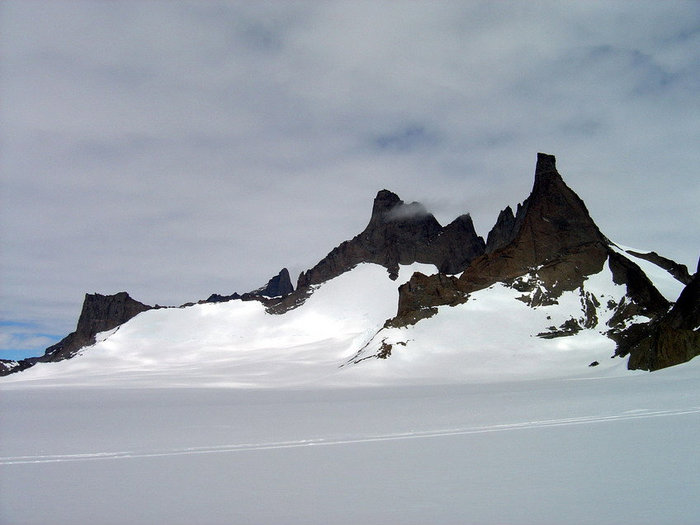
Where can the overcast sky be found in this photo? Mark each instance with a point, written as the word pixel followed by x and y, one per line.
pixel 176 149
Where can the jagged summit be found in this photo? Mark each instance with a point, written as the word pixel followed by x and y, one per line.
pixel 279 285
pixel 549 247
pixel 503 231
pixel 401 233
pixel 552 220
pixel 546 167
pixel 99 314
pixel 384 202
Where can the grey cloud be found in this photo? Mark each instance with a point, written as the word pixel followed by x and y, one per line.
pixel 407 138
pixel 407 211
pixel 178 149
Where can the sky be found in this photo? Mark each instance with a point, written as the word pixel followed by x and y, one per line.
pixel 178 149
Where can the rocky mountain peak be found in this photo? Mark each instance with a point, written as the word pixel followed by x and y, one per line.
pixel 399 233
pixel 390 215
pixel 384 202
pixel 279 285
pixel 553 219
pixel 99 314
pixel 503 231
pixel 546 167
pixel 551 230
pixel 668 339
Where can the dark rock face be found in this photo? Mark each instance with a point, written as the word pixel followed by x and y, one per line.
pixel 10 366
pixel 279 285
pixel 646 299
pixel 99 314
pixel 218 298
pixel 552 231
pixel 457 245
pixel 503 231
pixel 554 219
pixel 400 233
pixel 668 340
pixel 679 271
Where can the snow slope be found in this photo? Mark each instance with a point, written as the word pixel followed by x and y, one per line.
pixel 491 337
pixel 237 344
pixel 669 287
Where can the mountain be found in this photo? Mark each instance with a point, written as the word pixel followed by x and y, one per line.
pixel 410 299
pixel 100 313
pixel 103 313
pixel 400 233
pixel 552 247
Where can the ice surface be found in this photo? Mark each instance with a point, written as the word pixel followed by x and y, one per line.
pixel 599 451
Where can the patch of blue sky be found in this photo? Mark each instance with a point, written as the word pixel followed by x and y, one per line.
pixel 23 339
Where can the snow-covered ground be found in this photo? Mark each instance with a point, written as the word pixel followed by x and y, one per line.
pixel 608 450
pixel 222 413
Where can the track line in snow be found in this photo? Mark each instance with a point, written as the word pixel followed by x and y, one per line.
pixel 277 445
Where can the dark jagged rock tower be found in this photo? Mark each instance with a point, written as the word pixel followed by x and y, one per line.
pixel 400 233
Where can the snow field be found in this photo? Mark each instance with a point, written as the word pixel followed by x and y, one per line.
pixel 237 344
pixel 493 337
pixel 603 451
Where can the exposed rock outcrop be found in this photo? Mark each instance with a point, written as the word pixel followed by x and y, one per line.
pixel 10 366
pixel 218 298
pixel 679 271
pixel 645 298
pixel 279 285
pixel 668 340
pixel 503 231
pixel 400 233
pixel 99 314
pixel 551 232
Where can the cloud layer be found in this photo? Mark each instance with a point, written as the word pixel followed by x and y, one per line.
pixel 175 149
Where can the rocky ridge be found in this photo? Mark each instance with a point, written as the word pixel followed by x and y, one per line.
pixel 549 246
pixel 101 313
pixel 400 233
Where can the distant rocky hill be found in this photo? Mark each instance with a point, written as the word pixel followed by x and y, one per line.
pixel 101 313
pixel 550 246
